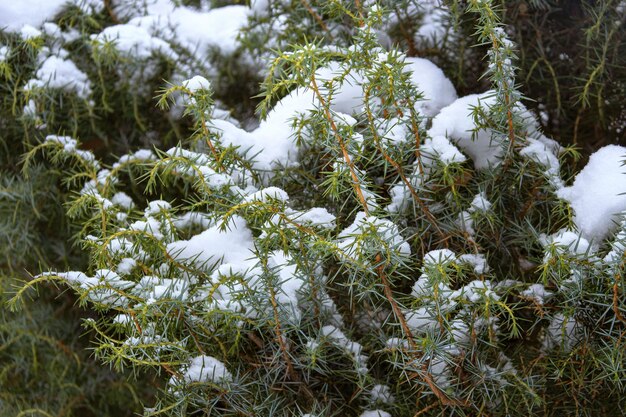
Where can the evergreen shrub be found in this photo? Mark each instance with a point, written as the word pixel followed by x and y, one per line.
pixel 372 245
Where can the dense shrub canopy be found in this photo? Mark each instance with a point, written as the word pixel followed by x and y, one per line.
pixel 316 208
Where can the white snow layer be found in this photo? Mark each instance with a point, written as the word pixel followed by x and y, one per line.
pixel 272 144
pixel 196 30
pixel 133 41
pixel 598 193
pixel 456 123
pixel 375 413
pixel 63 74
pixel 233 245
pixel 15 14
pixel 206 369
pixel 350 239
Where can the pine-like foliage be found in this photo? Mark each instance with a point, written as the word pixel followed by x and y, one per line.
pixel 374 246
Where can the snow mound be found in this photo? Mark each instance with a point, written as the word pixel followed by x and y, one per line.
pixel 598 193
pixel 206 369
pixel 456 123
pixel 15 14
pixel 62 74
pixel 233 245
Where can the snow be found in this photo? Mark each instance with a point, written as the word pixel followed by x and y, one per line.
pixel 122 319
pixel 598 193
pixel 432 29
pixel 394 130
pixel 271 145
pixel 126 266
pixel 104 287
pixel 476 291
pixel 156 206
pixel 70 145
pixel 4 53
pixel 440 370
pixel 268 194
pixel 537 292
pixel 234 245
pixel 289 283
pixel 375 413
pixel 133 41
pixel 423 288
pixel 544 153
pixel 618 246
pixel 15 14
pixel 421 320
pixel 436 88
pixel 52 30
pixel 439 148
pixel 338 337
pixel 466 223
pixel 460 331
pixel 89 6
pixel 29 32
pixel 564 332
pixel 567 240
pixel 192 218
pixel 480 203
pixel 63 74
pixel 381 393
pixel 477 261
pixel 197 166
pixel 140 155
pixel 123 200
pixel 439 257
pixel 317 216
pixel 456 123
pixel 351 243
pixel 30 109
pixel 196 83
pixel 206 369
pixel 197 31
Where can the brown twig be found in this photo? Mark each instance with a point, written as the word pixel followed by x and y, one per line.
pixel 346 156
pixel 315 15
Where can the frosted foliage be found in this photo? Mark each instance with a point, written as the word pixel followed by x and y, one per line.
pixel 271 145
pixel 598 194
pixel 381 393
pixel 422 320
pixel 249 240
pixel 563 332
pixel 352 244
pixel 537 292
